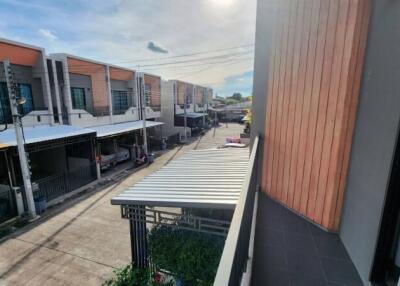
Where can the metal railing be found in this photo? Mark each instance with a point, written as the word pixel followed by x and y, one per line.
pixel 235 255
pixel 55 186
pixel 7 203
pixel 98 111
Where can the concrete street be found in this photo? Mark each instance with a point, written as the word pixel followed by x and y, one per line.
pixel 85 242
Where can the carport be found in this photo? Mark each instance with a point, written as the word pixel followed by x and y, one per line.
pixel 113 138
pixel 201 179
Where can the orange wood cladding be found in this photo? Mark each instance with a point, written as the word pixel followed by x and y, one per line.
pixel 315 71
pixel 155 89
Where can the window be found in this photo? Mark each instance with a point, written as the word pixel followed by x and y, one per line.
pixel 78 98
pixel 120 101
pixel 147 94
pixel 189 95
pixel 5 111
pixel 26 92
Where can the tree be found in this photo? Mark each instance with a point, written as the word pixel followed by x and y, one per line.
pixel 237 96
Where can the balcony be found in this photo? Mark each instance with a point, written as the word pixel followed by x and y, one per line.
pixel 268 244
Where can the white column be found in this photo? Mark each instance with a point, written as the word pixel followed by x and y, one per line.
pixel 20 144
pixel 57 91
pixel 67 89
pixel 110 106
pixel 46 89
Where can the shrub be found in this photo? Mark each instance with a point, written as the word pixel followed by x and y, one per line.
pixel 131 276
pixel 191 256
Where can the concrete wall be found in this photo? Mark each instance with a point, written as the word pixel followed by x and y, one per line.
pixel 262 58
pixel 167 108
pixel 374 138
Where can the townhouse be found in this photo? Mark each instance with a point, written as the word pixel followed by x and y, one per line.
pixel 80 117
pixel 184 102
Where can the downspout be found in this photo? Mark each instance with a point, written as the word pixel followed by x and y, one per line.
pixel 57 90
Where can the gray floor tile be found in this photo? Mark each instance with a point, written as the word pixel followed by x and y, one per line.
pixel 303 244
pixel 329 245
pixel 341 271
pixel 299 263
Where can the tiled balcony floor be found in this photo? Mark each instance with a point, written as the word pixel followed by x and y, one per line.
pixel 289 250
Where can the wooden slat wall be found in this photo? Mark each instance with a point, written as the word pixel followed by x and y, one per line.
pixel 313 86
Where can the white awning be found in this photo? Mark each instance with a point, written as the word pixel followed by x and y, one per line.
pixel 202 178
pixel 120 128
pixel 41 134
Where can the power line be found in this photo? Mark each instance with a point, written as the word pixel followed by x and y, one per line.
pixel 191 54
pixel 197 60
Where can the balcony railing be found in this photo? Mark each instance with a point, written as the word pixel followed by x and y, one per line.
pixel 235 256
pixel 98 111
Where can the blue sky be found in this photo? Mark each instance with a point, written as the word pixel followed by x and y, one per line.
pixel 124 32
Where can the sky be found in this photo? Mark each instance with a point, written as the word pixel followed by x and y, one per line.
pixel 206 42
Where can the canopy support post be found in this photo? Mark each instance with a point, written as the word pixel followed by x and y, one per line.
pixel 138 235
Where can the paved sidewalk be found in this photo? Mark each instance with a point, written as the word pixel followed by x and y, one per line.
pixel 83 244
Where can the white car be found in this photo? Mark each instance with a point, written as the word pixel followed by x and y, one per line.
pixel 122 154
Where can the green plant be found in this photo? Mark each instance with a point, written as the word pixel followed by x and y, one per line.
pixel 129 276
pixel 190 255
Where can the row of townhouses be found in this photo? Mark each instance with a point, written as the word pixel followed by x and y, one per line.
pixel 82 118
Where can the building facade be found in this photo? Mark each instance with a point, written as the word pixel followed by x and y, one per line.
pixel 85 114
pixel 328 116
pixel 181 99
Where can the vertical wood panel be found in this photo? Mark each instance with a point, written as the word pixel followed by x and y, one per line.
pixel 311 53
pixel 347 72
pixel 288 98
pixel 314 79
pixel 353 110
pixel 267 164
pixel 304 14
pixel 307 194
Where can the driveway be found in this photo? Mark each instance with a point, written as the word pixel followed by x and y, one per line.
pixel 87 240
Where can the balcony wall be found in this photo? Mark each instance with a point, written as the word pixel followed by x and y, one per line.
pixel 155 94
pixel 315 65
pixel 97 75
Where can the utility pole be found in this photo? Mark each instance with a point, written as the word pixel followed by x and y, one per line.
pixel 26 175
pixel 184 112
pixel 141 89
pixel 204 108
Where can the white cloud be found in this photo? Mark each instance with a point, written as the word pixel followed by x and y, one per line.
pixel 48 34
pixel 118 32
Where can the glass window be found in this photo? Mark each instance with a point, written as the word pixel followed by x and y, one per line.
pixel 5 111
pixel 26 91
pixel 120 101
pixel 189 95
pixel 78 98
pixel 147 94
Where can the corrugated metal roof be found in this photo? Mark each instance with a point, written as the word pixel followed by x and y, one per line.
pixel 201 178
pixel 42 133
pixel 113 129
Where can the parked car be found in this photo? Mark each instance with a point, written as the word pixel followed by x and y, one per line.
pixel 122 154
pixel 106 161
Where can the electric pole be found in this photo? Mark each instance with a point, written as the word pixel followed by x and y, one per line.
pixel 184 112
pixel 142 95
pixel 23 158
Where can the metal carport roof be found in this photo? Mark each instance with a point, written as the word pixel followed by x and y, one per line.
pixel 42 133
pixel 210 178
pixel 120 128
